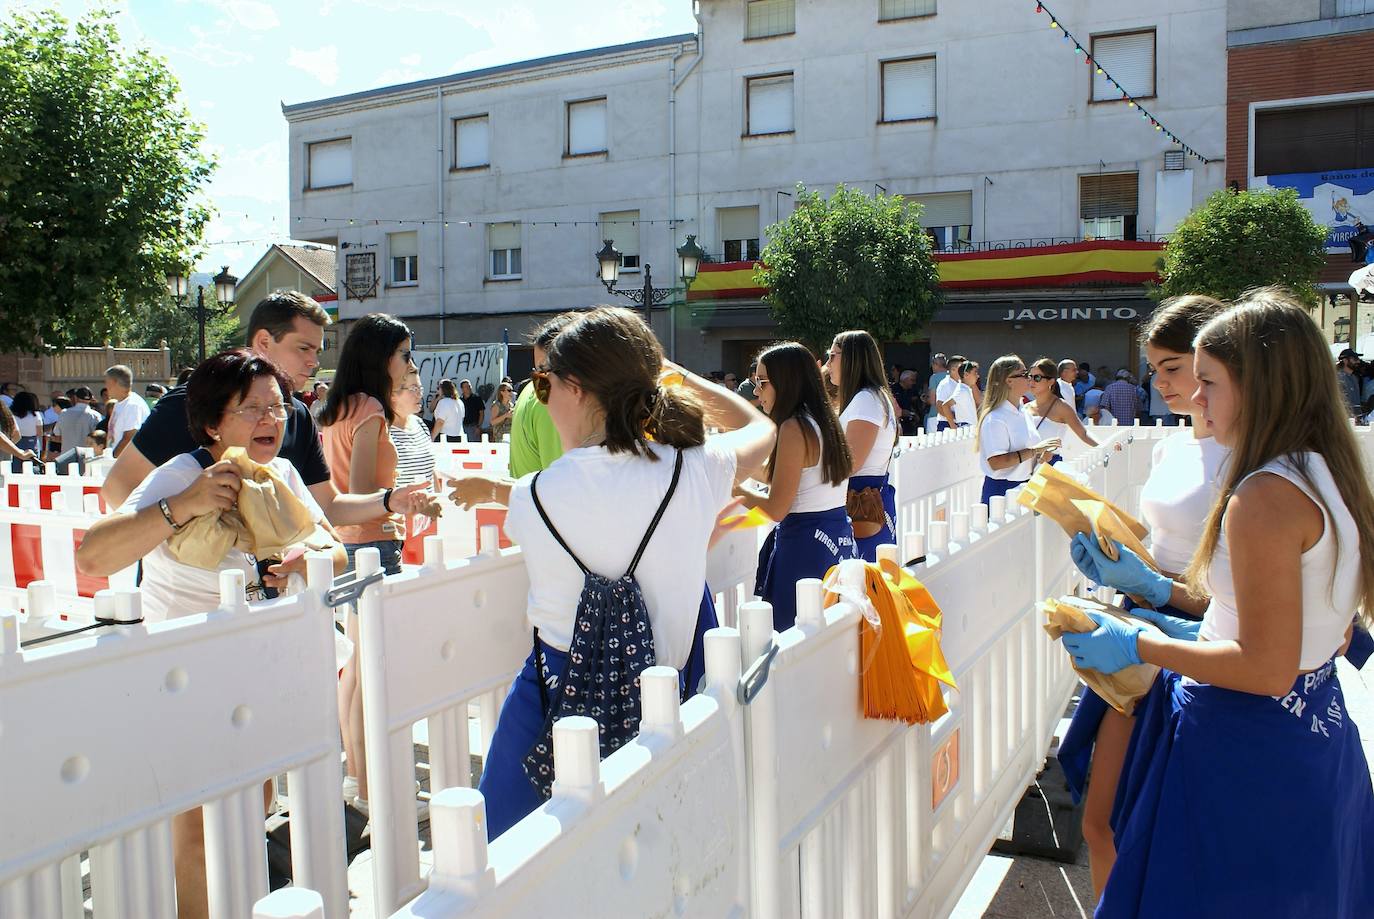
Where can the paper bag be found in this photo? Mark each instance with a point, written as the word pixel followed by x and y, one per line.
pixel 1079 509
pixel 1121 690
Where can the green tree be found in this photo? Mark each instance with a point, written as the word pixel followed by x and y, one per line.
pixel 850 261
pixel 1239 240
pixel 100 172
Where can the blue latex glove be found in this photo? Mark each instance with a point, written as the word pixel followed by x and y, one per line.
pixel 1173 626
pixel 1127 574
pixel 1108 648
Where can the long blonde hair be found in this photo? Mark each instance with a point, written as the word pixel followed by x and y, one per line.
pixel 995 393
pixel 1289 405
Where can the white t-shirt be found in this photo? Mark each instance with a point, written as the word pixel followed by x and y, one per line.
pixel 945 391
pixel 1105 419
pixel 602 504
pixel 128 415
pixel 1005 430
pixel 171 589
pixel 965 409
pixel 869 406
pixel 28 425
pixel 1178 495
pixel 1066 392
pixel 814 492
pixel 450 412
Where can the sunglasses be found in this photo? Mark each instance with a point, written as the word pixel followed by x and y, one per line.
pixel 1037 378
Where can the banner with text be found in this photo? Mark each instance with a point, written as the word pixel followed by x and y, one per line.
pixel 481 365
pixel 1338 200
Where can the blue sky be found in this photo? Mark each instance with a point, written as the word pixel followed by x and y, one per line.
pixel 238 60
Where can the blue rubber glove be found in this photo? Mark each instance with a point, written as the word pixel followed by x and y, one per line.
pixel 1127 574
pixel 1083 559
pixel 1108 648
pixel 1173 626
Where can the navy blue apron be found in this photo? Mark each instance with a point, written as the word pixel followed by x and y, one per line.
pixel 1234 804
pixel 993 487
pixel 868 545
pixel 802 545
pixel 203 457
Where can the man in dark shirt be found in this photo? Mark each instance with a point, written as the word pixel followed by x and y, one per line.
pixel 473 407
pixel 287 328
pixel 909 403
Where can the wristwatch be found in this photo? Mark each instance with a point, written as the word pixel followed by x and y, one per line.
pixel 166 509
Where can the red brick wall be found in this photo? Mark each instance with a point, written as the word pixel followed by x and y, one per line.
pixel 1290 70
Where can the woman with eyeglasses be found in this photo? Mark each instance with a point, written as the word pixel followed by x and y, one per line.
pixel 1047 411
pixel 410 437
pixel 1008 447
pixel 501 411
pixel 639 478
pixel 808 478
pixel 373 365
pixel 234 399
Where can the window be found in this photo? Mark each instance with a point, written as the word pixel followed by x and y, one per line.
pixel 739 231
pixel 908 90
pixel 763 18
pixel 768 104
pixel 904 9
pixel 471 142
pixel 947 218
pixel 1130 58
pixel 404 249
pixel 503 239
pixel 329 163
pixel 622 228
pixel 1316 139
pixel 1107 205
pixel 587 127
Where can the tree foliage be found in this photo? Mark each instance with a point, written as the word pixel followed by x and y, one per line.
pixel 1240 240
pixel 850 261
pixel 162 320
pixel 100 172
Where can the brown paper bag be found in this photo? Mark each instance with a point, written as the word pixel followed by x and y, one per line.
pixel 1078 509
pixel 1121 690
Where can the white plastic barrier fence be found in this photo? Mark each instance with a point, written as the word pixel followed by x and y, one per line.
pixel 934 476
pixel 194 712
pixel 730 569
pixel 47 490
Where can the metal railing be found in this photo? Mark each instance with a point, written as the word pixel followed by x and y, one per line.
pixel 996 245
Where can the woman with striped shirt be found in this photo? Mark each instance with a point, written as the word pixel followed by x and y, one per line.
pixel 410 437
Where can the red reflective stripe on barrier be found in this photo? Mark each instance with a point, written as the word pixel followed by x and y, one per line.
pixel 26 548
pixel 95 490
pixel 488 516
pixel 413 549
pixel 45 493
pixel 13 499
pixel 86 585
pixel 471 465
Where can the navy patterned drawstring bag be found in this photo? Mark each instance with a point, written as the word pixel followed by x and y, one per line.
pixel 612 644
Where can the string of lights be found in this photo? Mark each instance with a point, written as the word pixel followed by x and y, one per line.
pixel 1130 100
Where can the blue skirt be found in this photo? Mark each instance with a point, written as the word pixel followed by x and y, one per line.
pixel 868 545
pixel 995 487
pixel 1243 805
pixel 509 794
pixel 1076 749
pixel 802 545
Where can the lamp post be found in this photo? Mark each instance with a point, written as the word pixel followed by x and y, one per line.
pixel 608 261
pixel 177 284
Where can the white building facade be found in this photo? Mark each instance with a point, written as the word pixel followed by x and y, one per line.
pixel 473 204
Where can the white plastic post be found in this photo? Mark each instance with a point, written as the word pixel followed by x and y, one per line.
pixel 979 517
pixel 90 504
pixel 42 596
pixel 103 604
pixel 231 598
pixel 9 635
pixel 761 728
pixel 490 540
pixel 319 571
pixel 958 526
pixel 997 508
pixel 434 551
pixel 660 705
pixel 889 552
pixel 809 597
pixel 129 605
pixel 722 650
pixel 577 759
pixel 458 824
pixel 939 536
pixel 290 903
pixel 58 499
pixel 915 545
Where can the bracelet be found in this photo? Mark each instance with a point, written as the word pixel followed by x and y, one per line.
pixel 1018 457
pixel 386 500
pixel 166 509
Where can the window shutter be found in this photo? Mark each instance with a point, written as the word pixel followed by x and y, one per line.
pixel 738 222
pixel 770 17
pixel 945 209
pixel 474 142
pixel 1130 59
pixel 1316 139
pixel 770 105
pixel 622 227
pixel 587 126
pixel 504 236
pixel 404 244
pixel 331 163
pixel 902 9
pixel 1111 195
pixel 909 89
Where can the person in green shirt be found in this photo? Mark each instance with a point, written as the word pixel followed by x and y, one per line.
pixel 534 441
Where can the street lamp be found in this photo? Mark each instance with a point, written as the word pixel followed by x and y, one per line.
pixel 608 265
pixel 177 285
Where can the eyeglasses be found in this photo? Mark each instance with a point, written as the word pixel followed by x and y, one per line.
pixel 1018 376
pixel 539 379
pixel 256 413
pixel 413 388
pixel 1037 378
pixel 760 381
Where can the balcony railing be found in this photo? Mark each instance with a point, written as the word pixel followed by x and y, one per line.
pixel 83 365
pixel 1027 242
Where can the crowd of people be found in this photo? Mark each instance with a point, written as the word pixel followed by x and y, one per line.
pixel 1239 787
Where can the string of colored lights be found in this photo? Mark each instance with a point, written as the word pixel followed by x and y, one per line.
pixel 1126 97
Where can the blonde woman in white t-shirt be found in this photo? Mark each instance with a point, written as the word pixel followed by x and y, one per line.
pixel 868 416
pixel 1008 447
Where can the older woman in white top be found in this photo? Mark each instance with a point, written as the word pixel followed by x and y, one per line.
pixel 1251 793
pixel 1008 447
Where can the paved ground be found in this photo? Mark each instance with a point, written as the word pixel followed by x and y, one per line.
pixel 1034 888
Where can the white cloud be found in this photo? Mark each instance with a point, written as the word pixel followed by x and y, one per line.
pixel 251 14
pixel 410 60
pixel 207 50
pixel 322 64
pixel 257 174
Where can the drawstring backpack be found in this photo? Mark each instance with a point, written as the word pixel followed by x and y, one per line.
pixel 612 643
